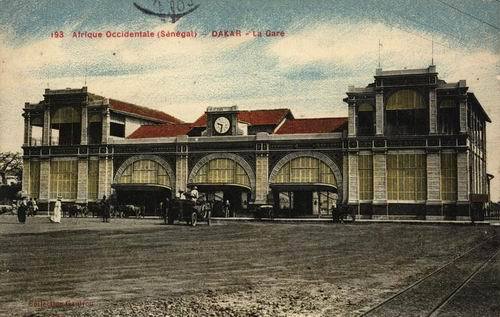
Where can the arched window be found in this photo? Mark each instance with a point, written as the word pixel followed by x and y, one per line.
pixel 306 170
pixel 406 113
pixel 145 172
pixel 222 171
pixel 365 119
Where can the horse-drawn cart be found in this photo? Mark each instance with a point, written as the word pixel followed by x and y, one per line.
pixel 189 211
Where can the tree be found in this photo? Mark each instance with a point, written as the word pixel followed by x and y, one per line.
pixel 10 163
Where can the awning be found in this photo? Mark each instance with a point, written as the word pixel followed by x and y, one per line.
pixel 219 187
pixel 296 187
pixel 140 187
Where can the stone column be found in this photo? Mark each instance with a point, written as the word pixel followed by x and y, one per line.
pixel 44 180
pixel 261 177
pixel 352 123
pixel 46 132
pixel 105 176
pixel 353 178
pixel 27 129
pixel 83 170
pixel 181 167
pixel 345 180
pixel 379 113
pixel 84 126
pixel 433 126
pixel 433 178
pixel 379 178
pixel 463 188
pixel 463 115
pixel 26 177
pixel 106 121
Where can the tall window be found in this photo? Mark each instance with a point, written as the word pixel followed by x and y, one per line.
pixel 365 171
pixel 93 179
pixel 448 116
pixel 63 179
pixel 34 189
pixel 145 172
pixel 66 125
pixel 306 170
pixel 406 177
pixel 222 171
pixel 406 113
pixel 449 176
pixel 365 119
pixel 94 128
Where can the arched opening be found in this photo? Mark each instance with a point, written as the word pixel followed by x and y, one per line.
pixel 144 183
pixel 304 186
pixel 406 113
pixel 223 181
pixel 65 124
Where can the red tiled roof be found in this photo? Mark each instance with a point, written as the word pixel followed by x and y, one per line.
pixel 312 125
pixel 254 117
pixel 142 111
pixel 160 131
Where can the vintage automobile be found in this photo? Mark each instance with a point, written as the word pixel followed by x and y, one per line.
pixel 189 211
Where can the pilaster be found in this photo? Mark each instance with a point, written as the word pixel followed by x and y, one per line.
pixel 181 168
pixel 353 178
pixel 84 126
pixel 379 178
pixel 105 176
pixel 81 196
pixel 46 132
pixel 463 188
pixel 106 121
pixel 352 123
pixel 262 173
pixel 432 111
pixel 433 178
pixel 27 129
pixel 379 113
pixel 44 180
pixel 26 177
pixel 463 115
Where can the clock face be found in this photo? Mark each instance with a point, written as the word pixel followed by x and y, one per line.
pixel 222 125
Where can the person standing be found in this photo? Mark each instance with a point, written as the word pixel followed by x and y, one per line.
pixel 194 194
pixel 22 209
pixel 105 209
pixel 35 207
pixel 56 217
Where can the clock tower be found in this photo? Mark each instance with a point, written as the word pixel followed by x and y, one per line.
pixel 222 121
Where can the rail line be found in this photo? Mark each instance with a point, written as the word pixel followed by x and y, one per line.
pixel 436 308
pixel 445 301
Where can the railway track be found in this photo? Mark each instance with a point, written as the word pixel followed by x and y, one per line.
pixel 429 295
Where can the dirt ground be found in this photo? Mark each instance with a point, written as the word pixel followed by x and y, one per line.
pixel 83 267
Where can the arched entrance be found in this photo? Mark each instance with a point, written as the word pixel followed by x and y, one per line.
pixel 145 181
pixel 305 184
pixel 224 178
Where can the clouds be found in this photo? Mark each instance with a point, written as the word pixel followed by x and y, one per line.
pixel 328 46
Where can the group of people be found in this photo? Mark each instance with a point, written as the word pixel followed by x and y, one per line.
pixel 26 208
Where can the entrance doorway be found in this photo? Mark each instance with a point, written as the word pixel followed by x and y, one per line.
pixel 220 194
pixel 303 200
pixel 148 197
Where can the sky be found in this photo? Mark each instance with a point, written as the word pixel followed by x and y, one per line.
pixel 328 45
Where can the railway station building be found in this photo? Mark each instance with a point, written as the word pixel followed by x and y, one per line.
pixel 413 146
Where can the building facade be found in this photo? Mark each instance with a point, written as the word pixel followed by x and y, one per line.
pixel 412 146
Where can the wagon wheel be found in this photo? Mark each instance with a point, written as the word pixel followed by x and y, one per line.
pixel 194 219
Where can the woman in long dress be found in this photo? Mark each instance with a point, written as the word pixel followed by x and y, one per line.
pixel 56 217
